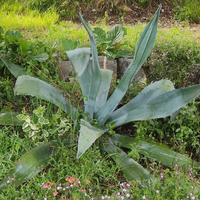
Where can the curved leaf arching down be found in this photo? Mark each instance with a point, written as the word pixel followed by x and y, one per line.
pixel 88 134
pixel 94 68
pixel 142 52
pixel 14 69
pixel 146 95
pixel 29 165
pixel 9 118
pixel 27 85
pixel 162 106
pixel 156 151
pixel 130 168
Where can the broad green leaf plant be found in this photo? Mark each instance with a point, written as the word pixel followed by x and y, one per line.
pixel 109 43
pixel 158 100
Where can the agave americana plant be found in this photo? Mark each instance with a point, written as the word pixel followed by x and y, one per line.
pixel 158 100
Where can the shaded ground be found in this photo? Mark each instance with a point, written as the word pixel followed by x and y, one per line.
pixel 134 13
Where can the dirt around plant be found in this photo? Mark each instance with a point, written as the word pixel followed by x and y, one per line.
pixel 133 14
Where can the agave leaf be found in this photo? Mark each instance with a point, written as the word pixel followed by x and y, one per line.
pixel 87 136
pixel 94 68
pixel 116 34
pixel 130 168
pixel 9 118
pixel 104 88
pixel 30 164
pixel 146 95
pixel 27 85
pixel 80 60
pixel 14 69
pixel 143 49
pixel 155 151
pixel 162 106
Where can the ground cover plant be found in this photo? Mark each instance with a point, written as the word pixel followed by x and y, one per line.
pixel 100 114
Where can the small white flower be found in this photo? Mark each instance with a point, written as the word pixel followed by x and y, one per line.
pixel 144 197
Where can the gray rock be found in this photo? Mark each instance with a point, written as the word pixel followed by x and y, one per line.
pixel 118 67
pixel 106 63
pixel 65 70
pixel 122 65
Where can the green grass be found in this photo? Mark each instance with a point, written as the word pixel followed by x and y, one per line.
pixel 188 10
pixel 45 27
pixel 98 175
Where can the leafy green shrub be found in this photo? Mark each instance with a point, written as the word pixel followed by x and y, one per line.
pixel 173 61
pixel 143 3
pixel 182 132
pixel 188 10
pixel 35 57
pixel 158 100
pixel 109 43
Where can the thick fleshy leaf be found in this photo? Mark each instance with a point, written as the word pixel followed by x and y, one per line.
pixel 146 95
pixel 162 106
pixel 143 50
pixel 27 85
pixel 156 151
pixel 94 68
pixel 14 69
pixel 130 168
pixel 88 134
pixel 30 164
pixel 106 78
pixel 80 60
pixel 9 118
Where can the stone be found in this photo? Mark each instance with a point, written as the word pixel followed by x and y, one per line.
pixel 65 70
pixel 118 66
pixel 106 63
pixel 122 65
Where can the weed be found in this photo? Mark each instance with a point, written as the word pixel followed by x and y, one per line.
pixel 188 10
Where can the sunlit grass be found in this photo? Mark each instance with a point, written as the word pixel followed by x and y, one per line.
pixel 46 27
pixel 32 21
